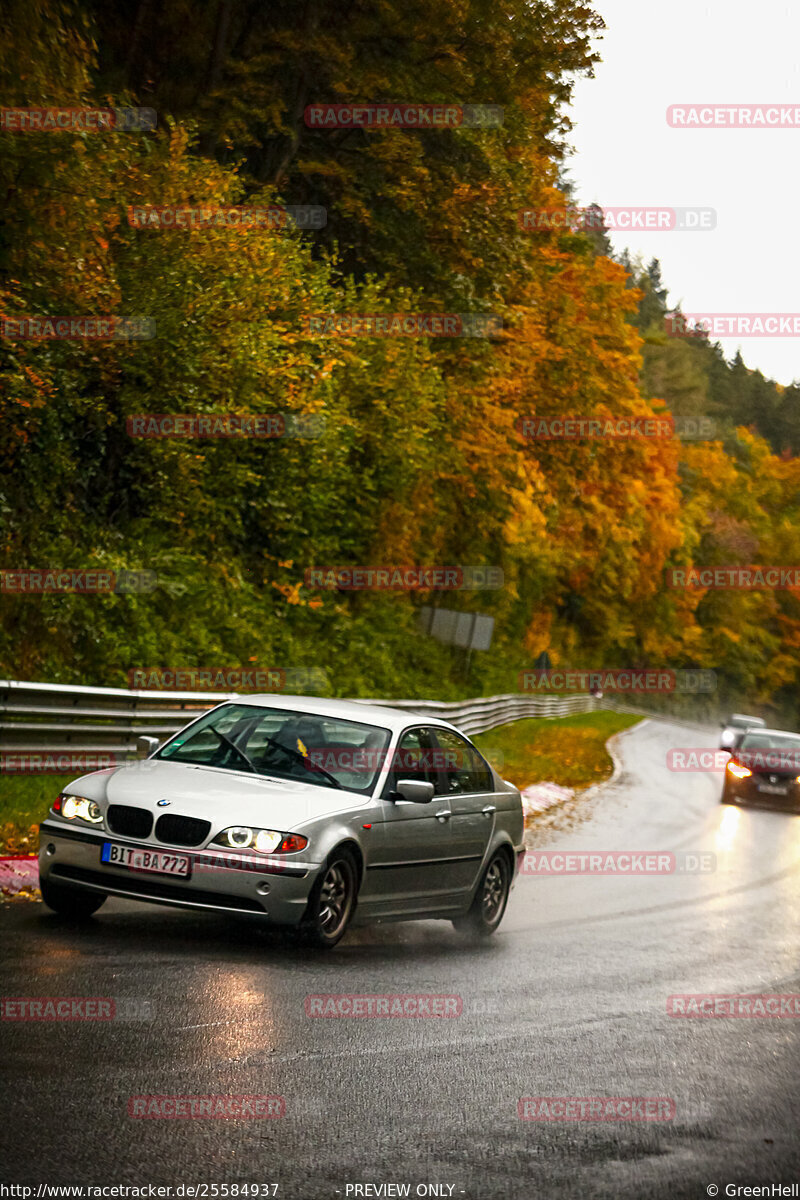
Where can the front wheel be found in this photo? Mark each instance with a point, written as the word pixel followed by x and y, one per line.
pixel 70 901
pixel 332 902
pixel 490 901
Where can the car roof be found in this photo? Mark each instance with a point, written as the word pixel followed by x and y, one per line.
pixel 759 732
pixel 366 711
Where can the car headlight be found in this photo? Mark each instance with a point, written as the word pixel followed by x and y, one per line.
pixel 737 770
pixel 77 808
pixel 266 841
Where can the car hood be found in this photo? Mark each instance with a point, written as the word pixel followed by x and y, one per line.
pixel 219 796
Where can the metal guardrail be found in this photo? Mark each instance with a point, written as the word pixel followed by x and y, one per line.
pixel 485 713
pixel 58 718
pixel 65 718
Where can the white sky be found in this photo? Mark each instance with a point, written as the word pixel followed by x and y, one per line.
pixel 687 51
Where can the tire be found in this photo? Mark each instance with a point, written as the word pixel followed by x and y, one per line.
pixel 71 901
pixel 491 898
pixel 332 902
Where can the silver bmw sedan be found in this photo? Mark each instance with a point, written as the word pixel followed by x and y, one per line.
pixel 297 811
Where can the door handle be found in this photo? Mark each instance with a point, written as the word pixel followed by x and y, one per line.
pixel 489 809
pixel 444 816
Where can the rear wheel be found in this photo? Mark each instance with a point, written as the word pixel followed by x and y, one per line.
pixel 490 901
pixel 70 901
pixel 332 901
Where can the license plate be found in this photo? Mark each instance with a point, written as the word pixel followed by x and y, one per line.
pixel 136 859
pixel 773 789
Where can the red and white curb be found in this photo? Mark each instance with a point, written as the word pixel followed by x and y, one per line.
pixel 540 796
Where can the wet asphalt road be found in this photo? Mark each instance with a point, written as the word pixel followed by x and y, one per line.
pixel 569 999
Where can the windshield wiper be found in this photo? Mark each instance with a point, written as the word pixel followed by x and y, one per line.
pixel 308 763
pixel 223 737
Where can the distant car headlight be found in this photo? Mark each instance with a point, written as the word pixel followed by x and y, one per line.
pixel 737 770
pixel 78 808
pixel 266 841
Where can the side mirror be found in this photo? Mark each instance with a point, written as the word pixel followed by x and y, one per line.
pixel 145 746
pixel 418 791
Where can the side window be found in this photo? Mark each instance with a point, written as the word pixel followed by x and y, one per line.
pixel 459 765
pixel 411 759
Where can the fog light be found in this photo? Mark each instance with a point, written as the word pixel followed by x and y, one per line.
pixel 50 848
pixel 263 889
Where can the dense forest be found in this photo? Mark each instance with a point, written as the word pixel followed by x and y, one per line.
pixel 413 452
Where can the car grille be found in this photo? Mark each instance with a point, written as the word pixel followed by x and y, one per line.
pixel 182 831
pixel 155 890
pixel 130 822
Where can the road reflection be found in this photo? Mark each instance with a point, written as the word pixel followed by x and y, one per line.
pixel 729 826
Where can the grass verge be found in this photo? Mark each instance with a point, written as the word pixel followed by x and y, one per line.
pixel 570 751
pixel 24 802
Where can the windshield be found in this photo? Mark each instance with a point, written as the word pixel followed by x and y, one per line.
pixel 327 751
pixel 769 741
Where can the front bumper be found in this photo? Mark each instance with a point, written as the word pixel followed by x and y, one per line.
pixel 221 881
pixel 748 791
